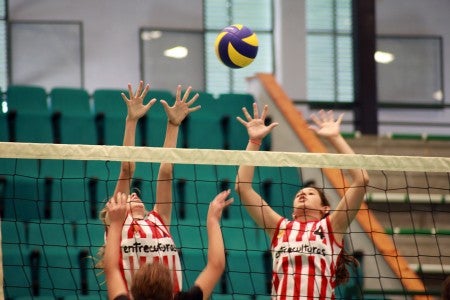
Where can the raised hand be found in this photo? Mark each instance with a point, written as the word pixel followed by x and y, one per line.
pixel 256 128
pixel 135 103
pixel 325 123
pixel 181 108
pixel 117 207
pixel 219 203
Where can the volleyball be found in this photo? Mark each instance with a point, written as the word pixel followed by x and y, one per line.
pixel 236 46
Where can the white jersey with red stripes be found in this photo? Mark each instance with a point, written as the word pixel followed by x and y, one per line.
pixel 147 241
pixel 304 256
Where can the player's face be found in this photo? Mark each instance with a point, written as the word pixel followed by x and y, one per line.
pixel 137 208
pixel 307 198
pixel 308 203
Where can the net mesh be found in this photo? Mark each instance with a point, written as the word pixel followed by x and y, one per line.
pixel 50 197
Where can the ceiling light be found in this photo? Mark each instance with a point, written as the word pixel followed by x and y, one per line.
pixel 178 52
pixel 384 57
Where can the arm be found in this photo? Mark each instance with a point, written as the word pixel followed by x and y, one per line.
pixel 117 210
pixel 346 210
pixel 175 115
pixel 215 266
pixel 135 110
pixel 258 209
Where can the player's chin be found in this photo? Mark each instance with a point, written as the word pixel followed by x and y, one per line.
pixel 138 211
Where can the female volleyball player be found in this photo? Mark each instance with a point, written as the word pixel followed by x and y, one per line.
pixel 307 252
pixel 145 235
pixel 154 280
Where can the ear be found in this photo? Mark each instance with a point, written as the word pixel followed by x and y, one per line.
pixel 325 210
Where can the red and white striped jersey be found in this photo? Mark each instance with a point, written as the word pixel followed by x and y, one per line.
pixel 147 241
pixel 304 256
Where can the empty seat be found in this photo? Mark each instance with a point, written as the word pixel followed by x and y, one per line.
pixel 17 274
pixel 244 236
pixel 72 116
pixel 70 200
pixel 248 271
pixel 193 261
pixel 231 106
pixel 157 109
pixel 205 133
pixel 24 198
pixel 152 128
pixel 110 113
pixel 59 271
pixel 28 114
pixel 110 102
pixel 59 169
pixel 4 128
pixel 232 103
pixel 27 99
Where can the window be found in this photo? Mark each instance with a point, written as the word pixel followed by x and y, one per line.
pixel 329 51
pixel 257 16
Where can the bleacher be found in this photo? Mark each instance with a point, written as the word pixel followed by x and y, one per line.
pixel 49 208
pixel 415 208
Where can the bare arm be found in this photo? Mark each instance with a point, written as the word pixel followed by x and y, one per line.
pixel 256 206
pixel 175 115
pixel 135 110
pixel 215 266
pixel 117 210
pixel 346 210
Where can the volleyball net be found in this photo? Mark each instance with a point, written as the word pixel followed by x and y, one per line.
pixel 51 195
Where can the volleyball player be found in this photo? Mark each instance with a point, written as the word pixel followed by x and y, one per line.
pixel 307 251
pixel 146 235
pixel 154 280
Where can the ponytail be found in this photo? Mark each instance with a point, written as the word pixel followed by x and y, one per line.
pixel 344 261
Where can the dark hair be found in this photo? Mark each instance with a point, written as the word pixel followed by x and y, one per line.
pixel 344 259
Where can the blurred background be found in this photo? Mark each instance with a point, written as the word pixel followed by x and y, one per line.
pixel 382 61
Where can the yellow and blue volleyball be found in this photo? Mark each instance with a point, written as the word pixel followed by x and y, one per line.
pixel 236 46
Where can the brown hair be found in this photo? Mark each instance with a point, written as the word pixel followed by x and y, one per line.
pixel 152 281
pixel 344 259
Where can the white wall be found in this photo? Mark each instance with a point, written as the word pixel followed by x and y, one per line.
pixel 111 30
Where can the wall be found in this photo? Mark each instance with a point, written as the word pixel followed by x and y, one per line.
pixel 111 30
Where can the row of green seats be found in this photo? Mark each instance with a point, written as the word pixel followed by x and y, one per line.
pixel 72 116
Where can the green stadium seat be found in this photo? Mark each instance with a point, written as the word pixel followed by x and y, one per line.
pixel 30 127
pixel 17 275
pixel 240 235
pixel 247 272
pixel 110 113
pixel 59 169
pixel 27 99
pixel 193 261
pixel 59 271
pixel 28 114
pixel 152 128
pixel 158 109
pixel 232 103
pixel 24 198
pixel 72 116
pixel 4 128
pixel 70 200
pixel 110 102
pixel 70 101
